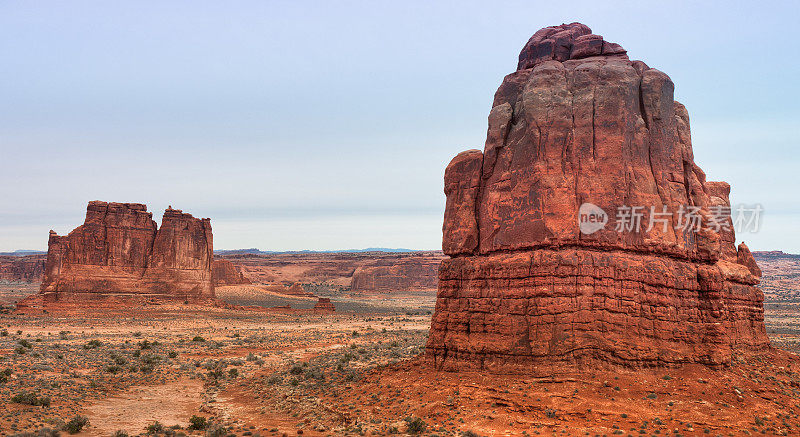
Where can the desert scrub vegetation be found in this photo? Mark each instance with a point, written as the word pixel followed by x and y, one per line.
pixel 217 370
pixel 93 344
pixel 415 425
pixel 296 387
pixel 215 430
pixel 158 429
pixel 76 424
pixel 349 363
pixel 30 398
pixel 198 423
pixel 42 432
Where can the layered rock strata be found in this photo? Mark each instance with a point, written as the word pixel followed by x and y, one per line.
pixel 534 282
pixel 119 251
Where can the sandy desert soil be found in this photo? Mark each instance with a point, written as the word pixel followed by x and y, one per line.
pixel 129 369
pixel 348 374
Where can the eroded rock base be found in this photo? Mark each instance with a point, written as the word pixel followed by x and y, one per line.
pixel 542 311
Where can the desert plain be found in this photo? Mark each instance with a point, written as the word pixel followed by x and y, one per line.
pixel 174 368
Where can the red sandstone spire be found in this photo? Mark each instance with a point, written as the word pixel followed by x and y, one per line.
pixel 579 123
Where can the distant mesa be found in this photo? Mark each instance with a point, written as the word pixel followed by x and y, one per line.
pixel 254 251
pixel 119 252
pixel 23 253
pixel 524 290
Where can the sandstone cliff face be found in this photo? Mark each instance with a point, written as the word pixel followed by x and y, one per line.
pixel 226 273
pixel 579 122
pixel 120 251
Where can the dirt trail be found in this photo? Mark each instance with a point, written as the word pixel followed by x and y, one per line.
pixel 134 409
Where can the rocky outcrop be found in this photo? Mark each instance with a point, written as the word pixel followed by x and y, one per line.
pixel 29 268
pixel 366 273
pixel 400 274
pixel 120 251
pixel 226 273
pixel 324 305
pixel 546 268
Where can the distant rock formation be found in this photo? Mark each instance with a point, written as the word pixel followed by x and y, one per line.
pixel 28 268
pixel 324 304
pixel 393 274
pixel 226 273
pixel 365 273
pixel 545 273
pixel 119 251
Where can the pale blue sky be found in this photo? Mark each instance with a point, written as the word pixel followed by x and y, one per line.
pixel 326 125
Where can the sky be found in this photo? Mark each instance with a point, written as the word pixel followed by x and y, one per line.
pixel 328 125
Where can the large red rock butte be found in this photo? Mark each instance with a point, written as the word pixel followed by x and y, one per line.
pixel 524 290
pixel 120 252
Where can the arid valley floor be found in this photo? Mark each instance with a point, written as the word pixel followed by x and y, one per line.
pixel 356 372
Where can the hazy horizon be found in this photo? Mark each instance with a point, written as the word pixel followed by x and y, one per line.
pixel 327 127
